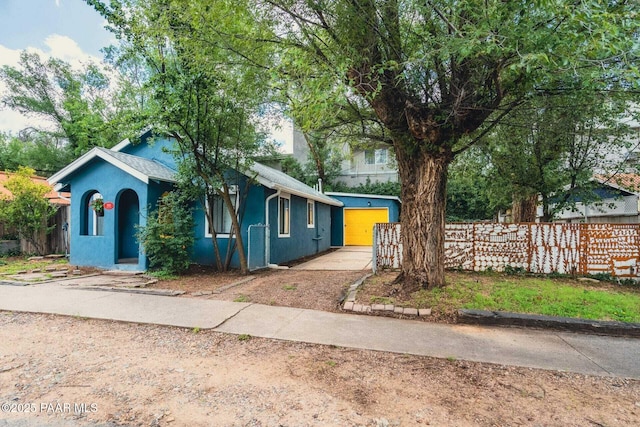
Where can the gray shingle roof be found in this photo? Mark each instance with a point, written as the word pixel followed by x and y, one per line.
pixel 278 180
pixel 139 167
pixel 147 169
pixel 150 168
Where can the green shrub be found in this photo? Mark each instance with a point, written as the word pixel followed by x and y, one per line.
pixel 168 237
pixel 514 271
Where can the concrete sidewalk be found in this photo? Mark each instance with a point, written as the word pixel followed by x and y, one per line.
pixel 352 258
pixel 580 353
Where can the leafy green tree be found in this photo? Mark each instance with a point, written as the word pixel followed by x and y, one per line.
pixel 75 102
pixel 550 147
pixel 438 75
pixel 469 196
pixel 202 92
pixel 324 162
pixel 27 210
pixel 294 169
pixel 42 153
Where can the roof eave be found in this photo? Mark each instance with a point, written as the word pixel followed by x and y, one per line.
pixel 161 179
pixel 275 186
pixel 122 144
pixel 613 184
pixel 362 195
pixel 326 200
pixel 59 176
pixel 96 152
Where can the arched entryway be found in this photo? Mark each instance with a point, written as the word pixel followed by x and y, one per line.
pixel 128 217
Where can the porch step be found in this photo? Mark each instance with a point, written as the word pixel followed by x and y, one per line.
pixel 122 273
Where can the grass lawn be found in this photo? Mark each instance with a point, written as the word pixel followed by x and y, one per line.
pixel 521 294
pixel 14 265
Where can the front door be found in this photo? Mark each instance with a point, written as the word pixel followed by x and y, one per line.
pixel 128 209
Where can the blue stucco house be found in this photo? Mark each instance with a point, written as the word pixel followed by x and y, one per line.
pixel 112 190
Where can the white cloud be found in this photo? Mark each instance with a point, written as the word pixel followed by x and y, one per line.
pixel 65 48
pixel 8 56
pixel 12 121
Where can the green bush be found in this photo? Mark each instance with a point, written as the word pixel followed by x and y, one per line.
pixel 514 271
pixel 168 237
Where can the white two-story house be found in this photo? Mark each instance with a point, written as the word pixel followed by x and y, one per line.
pixel 373 164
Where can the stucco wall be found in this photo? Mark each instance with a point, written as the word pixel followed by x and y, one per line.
pixel 253 214
pixel 302 241
pixel 103 250
pixel 156 148
pixel 109 181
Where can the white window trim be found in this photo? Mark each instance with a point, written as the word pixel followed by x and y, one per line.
pixel 377 152
pixel 287 197
pixel 94 232
pixel 311 204
pixel 233 192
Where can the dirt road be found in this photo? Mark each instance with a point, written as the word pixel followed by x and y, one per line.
pixel 104 372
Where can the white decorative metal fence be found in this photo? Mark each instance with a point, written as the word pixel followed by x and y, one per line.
pixel 537 248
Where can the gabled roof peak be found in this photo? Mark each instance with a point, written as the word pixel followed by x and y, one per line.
pixel 139 167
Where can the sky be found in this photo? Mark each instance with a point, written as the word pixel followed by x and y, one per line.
pixel 66 29
pixel 69 30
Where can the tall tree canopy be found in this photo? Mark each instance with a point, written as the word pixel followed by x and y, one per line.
pixel 75 103
pixel 202 90
pixel 439 74
pixel 44 154
pixel 430 78
pixel 552 146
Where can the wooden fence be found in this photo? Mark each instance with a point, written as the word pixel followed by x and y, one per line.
pixel 56 242
pixel 534 247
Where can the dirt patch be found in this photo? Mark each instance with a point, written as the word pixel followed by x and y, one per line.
pixel 382 289
pixel 167 376
pixel 317 290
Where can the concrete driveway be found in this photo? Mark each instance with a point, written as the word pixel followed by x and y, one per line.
pixel 354 258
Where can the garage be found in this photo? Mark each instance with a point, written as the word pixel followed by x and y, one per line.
pixel 352 224
pixel 358 225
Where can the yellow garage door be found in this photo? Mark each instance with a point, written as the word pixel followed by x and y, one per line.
pixel 358 225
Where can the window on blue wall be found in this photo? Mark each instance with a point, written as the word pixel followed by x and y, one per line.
pixel 284 216
pixel 220 215
pixel 311 214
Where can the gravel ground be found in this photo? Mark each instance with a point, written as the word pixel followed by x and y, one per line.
pixel 316 290
pixel 70 372
pixel 140 375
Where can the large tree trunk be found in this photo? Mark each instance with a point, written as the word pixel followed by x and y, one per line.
pixel 524 208
pixel 424 187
